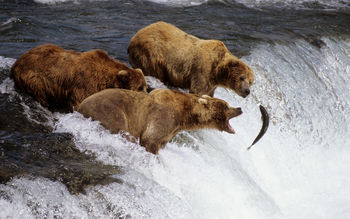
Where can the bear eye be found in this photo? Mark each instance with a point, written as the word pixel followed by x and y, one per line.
pixel 140 88
pixel 223 106
pixel 241 78
pixel 233 64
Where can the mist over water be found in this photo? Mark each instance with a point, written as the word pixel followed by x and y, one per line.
pixel 299 169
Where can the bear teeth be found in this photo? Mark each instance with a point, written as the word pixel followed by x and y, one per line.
pixel 230 129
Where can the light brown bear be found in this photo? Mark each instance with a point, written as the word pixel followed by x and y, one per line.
pixel 179 59
pixel 61 79
pixel 155 118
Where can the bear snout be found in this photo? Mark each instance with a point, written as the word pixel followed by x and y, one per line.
pixel 244 89
pixel 236 112
pixel 239 111
pixel 246 92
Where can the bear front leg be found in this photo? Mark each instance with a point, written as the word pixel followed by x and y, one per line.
pixel 150 145
pixel 37 86
pixel 158 132
pixel 153 148
pixel 152 139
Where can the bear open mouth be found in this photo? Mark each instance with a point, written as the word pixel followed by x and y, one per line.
pixel 229 128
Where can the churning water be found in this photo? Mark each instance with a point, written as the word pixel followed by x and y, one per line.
pixel 300 53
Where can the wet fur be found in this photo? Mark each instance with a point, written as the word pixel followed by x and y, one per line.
pixel 183 60
pixel 157 117
pixel 61 79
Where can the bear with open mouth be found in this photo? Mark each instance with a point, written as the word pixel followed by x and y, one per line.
pixel 155 118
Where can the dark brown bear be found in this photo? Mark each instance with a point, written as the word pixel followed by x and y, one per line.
pixel 182 60
pixel 155 118
pixel 61 79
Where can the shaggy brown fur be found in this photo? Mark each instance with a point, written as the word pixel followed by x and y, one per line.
pixel 180 59
pixel 155 118
pixel 61 79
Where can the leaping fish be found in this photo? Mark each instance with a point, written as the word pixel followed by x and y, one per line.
pixel 265 118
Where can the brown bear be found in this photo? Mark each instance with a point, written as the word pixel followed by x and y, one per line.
pixel 155 118
pixel 61 79
pixel 182 60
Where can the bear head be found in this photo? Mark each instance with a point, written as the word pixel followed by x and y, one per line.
pixel 131 79
pixel 235 74
pixel 215 113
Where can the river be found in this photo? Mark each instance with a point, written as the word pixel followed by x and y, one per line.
pixel 62 165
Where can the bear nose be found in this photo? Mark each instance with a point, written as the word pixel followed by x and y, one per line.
pixel 246 92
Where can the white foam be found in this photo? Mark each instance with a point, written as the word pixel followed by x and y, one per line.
pixel 188 174
pixel 155 82
pixel 8 86
pixel 302 161
pixel 42 198
pixel 6 62
pixel 299 169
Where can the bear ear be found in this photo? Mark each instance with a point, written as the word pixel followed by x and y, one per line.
pixel 139 70
pixel 123 78
pixel 233 64
pixel 203 101
pixel 122 73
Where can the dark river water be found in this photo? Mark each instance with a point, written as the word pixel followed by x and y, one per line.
pixel 57 165
pixel 109 25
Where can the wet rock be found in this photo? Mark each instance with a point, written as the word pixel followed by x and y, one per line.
pixel 29 148
pixel 54 156
pixel 314 40
pixel 4 73
pixel 13 117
